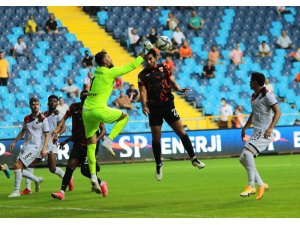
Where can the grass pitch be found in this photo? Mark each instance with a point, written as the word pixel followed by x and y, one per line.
pixel 184 192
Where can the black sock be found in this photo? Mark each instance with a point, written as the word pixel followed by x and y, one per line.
pixel 156 147
pixel 66 179
pixel 187 145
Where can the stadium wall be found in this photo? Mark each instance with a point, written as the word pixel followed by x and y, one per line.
pixel 136 147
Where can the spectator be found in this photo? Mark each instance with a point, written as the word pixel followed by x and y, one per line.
pixel 236 55
pixel 20 48
pixel 39 30
pixel 294 55
pixel 51 25
pixel 268 85
pixel 133 94
pixel 123 102
pixel 178 37
pixel 185 51
pixel 284 41
pixel 281 10
pixel 195 22
pixel 297 78
pixel 71 90
pixel 87 81
pixel 172 21
pixel 4 69
pixel 264 49
pixel 152 36
pixel 169 63
pixel 225 112
pixel 208 70
pixel 31 25
pixel 118 84
pixel 134 39
pixel 87 61
pixel 239 119
pixel 62 107
pixel 213 55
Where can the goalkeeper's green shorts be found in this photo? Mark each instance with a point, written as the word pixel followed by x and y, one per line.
pixel 93 117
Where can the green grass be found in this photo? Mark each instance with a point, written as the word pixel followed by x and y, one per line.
pixel 184 192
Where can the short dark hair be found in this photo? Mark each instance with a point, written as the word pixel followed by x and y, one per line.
pixel 152 52
pixel 259 78
pixel 86 51
pixel 99 57
pixel 33 99
pixel 52 96
pixel 223 99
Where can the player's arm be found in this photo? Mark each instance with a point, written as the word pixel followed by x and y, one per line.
pixel 247 125
pixel 19 136
pixel 119 71
pixel 61 125
pixel 62 144
pixel 143 96
pixel 46 140
pixel 176 87
pixel 277 113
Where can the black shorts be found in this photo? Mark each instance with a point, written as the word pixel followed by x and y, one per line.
pixel 167 113
pixel 79 152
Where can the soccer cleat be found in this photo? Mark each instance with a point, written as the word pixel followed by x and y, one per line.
pixel 248 191
pixel 158 172
pixel 71 185
pixel 37 184
pixel 96 186
pixel 58 195
pixel 107 145
pixel 104 188
pixel 26 191
pixel 197 163
pixel 261 191
pixel 6 171
pixel 14 194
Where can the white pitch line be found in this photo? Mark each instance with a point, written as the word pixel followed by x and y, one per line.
pixel 155 215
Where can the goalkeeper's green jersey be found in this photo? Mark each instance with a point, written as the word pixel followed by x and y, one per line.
pixel 103 82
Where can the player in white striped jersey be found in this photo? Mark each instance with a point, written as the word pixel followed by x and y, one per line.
pixel 53 117
pixel 35 126
pixel 264 116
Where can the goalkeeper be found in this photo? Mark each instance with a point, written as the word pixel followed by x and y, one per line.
pixel 95 109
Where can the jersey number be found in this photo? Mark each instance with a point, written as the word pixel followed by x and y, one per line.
pixel 92 83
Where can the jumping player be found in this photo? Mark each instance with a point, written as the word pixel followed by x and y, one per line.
pixel 263 104
pixel 35 126
pixel 155 83
pixel 95 109
pixel 79 152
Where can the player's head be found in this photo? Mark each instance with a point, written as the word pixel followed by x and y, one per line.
pixel 19 40
pixel 151 58
pixel 86 52
pixel 103 59
pixel 257 80
pixel 83 95
pixel 34 104
pixel 52 102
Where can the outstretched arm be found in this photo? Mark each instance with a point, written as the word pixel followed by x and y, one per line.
pixel 176 87
pixel 19 136
pixel 143 95
pixel 119 71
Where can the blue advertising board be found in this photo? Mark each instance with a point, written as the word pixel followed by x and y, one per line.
pixel 206 143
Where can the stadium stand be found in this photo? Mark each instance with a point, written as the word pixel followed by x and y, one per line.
pixel 56 57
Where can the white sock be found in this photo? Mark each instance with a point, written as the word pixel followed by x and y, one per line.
pixel 30 176
pixel 247 160
pixel 59 172
pixel 18 179
pixel 28 181
pixel 62 191
pixel 94 176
